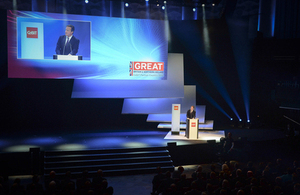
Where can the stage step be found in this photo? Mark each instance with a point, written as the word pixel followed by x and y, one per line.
pixel 111 161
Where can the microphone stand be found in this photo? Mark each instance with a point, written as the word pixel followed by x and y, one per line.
pixel 71 48
pixel 64 48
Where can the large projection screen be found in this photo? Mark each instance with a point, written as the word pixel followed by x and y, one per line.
pixel 111 48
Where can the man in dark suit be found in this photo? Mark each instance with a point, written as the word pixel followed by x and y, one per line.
pixel 191 113
pixel 67 44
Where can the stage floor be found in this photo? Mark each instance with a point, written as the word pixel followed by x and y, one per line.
pixel 112 139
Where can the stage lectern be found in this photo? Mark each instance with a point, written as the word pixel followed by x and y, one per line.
pixel 191 131
pixel 175 119
pixel 66 57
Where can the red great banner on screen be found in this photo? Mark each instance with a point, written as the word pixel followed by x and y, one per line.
pixel 146 69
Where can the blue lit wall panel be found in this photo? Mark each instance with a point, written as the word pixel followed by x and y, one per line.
pixel 172 87
pixel 149 105
pixel 160 105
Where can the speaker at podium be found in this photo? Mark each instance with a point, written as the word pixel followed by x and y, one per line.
pixel 192 128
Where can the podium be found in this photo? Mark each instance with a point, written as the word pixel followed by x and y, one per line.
pixel 192 129
pixel 66 57
pixel 175 119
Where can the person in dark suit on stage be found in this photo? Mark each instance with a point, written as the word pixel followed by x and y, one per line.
pixel 191 113
pixel 67 44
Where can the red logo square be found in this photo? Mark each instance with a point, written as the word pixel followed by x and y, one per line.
pixel 193 124
pixel 175 107
pixel 32 32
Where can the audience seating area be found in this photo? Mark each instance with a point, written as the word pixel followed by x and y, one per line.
pixel 229 178
pixel 232 178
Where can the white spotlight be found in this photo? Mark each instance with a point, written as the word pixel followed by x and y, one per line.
pixel 126 4
pixel 163 7
pixel 157 4
pixel 231 119
pixel 240 119
pixel 248 121
pixel 213 4
pixel 165 2
pixel 147 0
pixel 203 5
pixel 194 9
pixel 86 1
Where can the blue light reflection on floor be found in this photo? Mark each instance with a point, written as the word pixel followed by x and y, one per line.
pixel 113 140
pixel 43 140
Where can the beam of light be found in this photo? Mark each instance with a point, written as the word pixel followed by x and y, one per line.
pixel 104 8
pixel 209 68
pixel 147 10
pixel 195 10
pixel 273 16
pixel 123 9
pixel 241 46
pixel 182 13
pixel 64 7
pixel 212 73
pixel 204 94
pixel 167 25
pixel 205 34
pixel 259 16
pixel 110 8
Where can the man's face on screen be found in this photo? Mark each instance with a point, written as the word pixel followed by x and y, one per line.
pixel 68 31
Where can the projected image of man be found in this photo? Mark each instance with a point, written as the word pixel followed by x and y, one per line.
pixel 67 44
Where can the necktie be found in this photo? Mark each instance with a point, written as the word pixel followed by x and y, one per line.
pixel 67 40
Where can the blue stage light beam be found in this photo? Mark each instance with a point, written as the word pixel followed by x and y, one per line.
pixel 241 45
pixel 208 66
pixel 205 34
pixel 212 73
pixel 259 16
pixel 204 94
pixel 273 16
pixel 147 9
pixel 195 10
